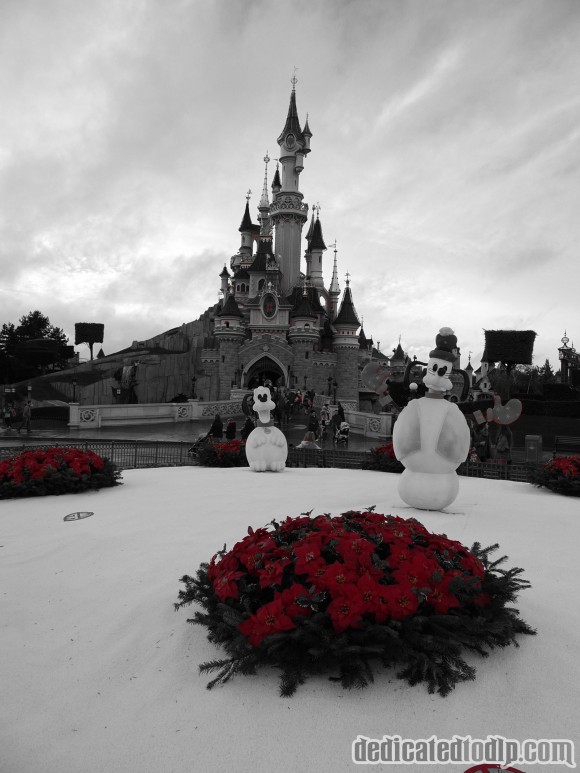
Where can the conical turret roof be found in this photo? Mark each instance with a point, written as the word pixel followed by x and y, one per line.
pixel 246 224
pixel 304 309
pixel 230 309
pixel 398 353
pixel 295 298
pixel 292 124
pixel 317 242
pixel 347 315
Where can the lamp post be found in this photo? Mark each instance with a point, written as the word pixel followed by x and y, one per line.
pixel 29 392
pixel 193 383
pixel 118 393
pixel 74 386
pixel 335 386
pixel 329 379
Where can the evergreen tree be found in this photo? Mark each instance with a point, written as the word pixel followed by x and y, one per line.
pixel 547 375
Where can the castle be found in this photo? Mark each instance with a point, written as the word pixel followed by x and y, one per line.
pixel 275 321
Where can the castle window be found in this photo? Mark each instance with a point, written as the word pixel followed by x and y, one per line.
pixel 306 355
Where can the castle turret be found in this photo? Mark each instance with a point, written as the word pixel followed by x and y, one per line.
pixel 304 335
pixel 229 333
pixel 246 229
pixel 317 247
pixel 346 346
pixel 225 277
pixel 288 212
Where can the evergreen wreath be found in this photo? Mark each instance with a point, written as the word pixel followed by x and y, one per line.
pixel 337 594
pixel 561 475
pixel 59 470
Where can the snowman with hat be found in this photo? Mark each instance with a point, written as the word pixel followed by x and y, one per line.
pixel 431 436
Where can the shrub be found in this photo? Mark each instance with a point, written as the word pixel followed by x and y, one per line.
pixel 561 475
pixel 43 471
pixel 314 595
pixel 229 453
pixel 383 458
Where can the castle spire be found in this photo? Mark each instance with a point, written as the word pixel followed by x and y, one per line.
pixel 264 205
pixel 264 201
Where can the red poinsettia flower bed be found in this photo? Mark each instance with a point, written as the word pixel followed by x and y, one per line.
pixel 316 593
pixel 217 453
pixel 383 458
pixel 43 471
pixel 561 475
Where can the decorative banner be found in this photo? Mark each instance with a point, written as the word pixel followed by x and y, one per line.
pixel 504 414
pixel 77 516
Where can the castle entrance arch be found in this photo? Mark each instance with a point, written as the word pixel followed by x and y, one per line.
pixel 264 368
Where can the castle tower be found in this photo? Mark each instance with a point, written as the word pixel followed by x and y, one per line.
pixel 346 346
pixel 288 212
pixel 246 229
pixel 225 279
pixel 230 335
pixel 304 335
pixel 317 247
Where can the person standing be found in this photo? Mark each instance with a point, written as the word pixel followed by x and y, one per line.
pixel 231 429
pixel 217 428
pixel 313 425
pixel 248 427
pixel 8 416
pixel 504 443
pixel 26 416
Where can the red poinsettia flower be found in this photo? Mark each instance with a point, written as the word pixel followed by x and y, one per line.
pixel 272 572
pixel 225 585
pixel 271 618
pixel 356 551
pixel 335 577
pixel 346 609
pixel 290 604
pixel 400 601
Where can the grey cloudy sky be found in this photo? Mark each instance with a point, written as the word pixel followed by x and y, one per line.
pixel 445 157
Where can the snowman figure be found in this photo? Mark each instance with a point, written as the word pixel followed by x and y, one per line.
pixel 266 447
pixel 431 436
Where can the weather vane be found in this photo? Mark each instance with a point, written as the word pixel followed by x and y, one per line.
pixel 347 279
pixel 294 79
pixel 248 194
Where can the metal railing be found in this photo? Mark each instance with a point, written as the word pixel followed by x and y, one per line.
pixel 133 454
pixel 126 454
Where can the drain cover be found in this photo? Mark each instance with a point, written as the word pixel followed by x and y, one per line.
pixel 77 516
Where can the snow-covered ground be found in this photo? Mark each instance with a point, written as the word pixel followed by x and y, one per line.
pixel 99 673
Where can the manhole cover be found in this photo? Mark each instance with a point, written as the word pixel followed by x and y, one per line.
pixel 77 516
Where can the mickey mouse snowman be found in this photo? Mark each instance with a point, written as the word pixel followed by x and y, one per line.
pixel 431 436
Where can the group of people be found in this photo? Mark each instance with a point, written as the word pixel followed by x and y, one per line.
pixel 217 432
pixel 10 416
pixel 319 427
pixel 489 444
